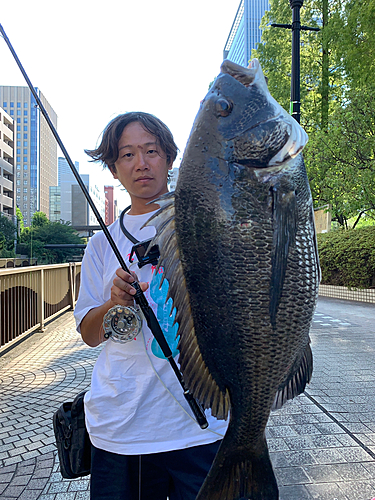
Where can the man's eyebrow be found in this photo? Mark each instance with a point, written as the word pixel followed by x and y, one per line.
pixel 146 144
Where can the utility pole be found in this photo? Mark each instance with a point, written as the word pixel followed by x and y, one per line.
pixel 295 88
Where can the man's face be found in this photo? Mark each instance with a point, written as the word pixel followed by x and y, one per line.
pixel 141 166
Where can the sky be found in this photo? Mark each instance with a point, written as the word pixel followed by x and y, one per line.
pixel 93 60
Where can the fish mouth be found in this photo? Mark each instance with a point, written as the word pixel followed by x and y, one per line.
pixel 253 75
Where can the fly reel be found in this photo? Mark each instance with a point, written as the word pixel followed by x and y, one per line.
pixel 122 324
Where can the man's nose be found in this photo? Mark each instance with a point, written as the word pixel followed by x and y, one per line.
pixel 141 161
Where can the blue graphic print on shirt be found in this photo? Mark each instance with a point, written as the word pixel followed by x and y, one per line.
pixel 163 315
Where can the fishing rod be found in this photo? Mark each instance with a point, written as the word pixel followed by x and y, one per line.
pixel 139 296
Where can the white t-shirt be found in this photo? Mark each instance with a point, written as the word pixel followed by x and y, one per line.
pixel 136 404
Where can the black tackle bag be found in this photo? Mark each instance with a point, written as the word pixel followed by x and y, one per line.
pixel 72 439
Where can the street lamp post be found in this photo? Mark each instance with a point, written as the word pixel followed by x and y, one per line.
pixel 295 85
pixel 295 89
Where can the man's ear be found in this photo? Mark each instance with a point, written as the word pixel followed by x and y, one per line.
pixel 113 171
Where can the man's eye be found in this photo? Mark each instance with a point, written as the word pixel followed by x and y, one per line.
pixel 152 151
pixel 127 155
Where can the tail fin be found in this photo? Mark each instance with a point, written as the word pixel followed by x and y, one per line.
pixel 239 474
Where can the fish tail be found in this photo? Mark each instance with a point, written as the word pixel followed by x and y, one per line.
pixel 240 475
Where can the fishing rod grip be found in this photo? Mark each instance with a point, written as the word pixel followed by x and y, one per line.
pixel 199 414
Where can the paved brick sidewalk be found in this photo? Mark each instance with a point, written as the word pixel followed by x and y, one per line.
pixel 322 444
pixel 35 378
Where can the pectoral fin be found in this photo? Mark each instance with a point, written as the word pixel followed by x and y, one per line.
pixel 284 209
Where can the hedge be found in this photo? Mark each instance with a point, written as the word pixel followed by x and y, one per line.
pixel 347 258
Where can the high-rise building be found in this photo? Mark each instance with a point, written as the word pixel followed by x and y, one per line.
pixel 35 149
pixel 65 170
pixel 109 192
pixel 7 205
pixel 82 215
pixel 66 180
pixel 245 33
pixel 173 176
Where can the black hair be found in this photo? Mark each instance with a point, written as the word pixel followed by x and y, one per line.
pixel 108 152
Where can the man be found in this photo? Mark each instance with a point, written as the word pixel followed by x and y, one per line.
pixel 146 443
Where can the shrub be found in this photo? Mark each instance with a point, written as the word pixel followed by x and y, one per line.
pixel 347 258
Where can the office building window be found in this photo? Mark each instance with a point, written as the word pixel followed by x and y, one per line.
pixel 25 143
pixel 18 190
pixel 18 127
pixel 18 182
pixel 18 167
pixel 5 104
pixel 25 112
pixel 18 158
pixel 18 104
pixel 25 198
pixel 18 174
pixel 25 151
pixel 25 174
pixel 25 104
pixel 18 137
pixel 24 127
pixel 11 112
pixel 25 182
pixel 25 120
pixel 25 158
pixel 12 104
pixel 25 190
pixel 18 198
pixel 18 112
pixel 18 144
pixel 18 120
pixel 18 151
pixel 25 136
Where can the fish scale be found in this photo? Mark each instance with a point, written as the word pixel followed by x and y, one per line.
pixel 237 241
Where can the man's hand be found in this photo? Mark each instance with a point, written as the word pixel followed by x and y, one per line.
pixel 122 292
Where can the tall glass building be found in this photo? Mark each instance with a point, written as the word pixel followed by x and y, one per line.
pixel 35 149
pixel 245 33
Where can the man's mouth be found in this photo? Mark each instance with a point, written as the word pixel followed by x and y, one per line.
pixel 140 179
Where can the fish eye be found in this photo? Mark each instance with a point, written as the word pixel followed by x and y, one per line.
pixel 223 107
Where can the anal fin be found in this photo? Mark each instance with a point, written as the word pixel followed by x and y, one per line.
pixel 296 381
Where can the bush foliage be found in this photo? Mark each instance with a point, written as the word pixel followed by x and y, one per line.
pixel 347 258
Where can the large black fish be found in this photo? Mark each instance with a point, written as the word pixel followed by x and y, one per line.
pixel 238 246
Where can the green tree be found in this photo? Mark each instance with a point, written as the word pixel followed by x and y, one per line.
pixel 33 240
pixel 8 232
pixel 337 108
pixel 341 161
pixel 353 39
pixel 20 223
pixel 39 219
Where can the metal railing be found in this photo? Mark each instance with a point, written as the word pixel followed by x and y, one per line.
pixel 31 296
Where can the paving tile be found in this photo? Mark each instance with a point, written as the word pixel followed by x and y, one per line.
pixel 21 479
pixel 353 471
pixel 291 475
pixel 322 473
pixel 295 492
pixel 326 491
pixel 356 490
pixel 81 495
pixel 13 491
pixel 30 495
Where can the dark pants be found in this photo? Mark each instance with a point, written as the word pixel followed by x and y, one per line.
pixel 177 474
